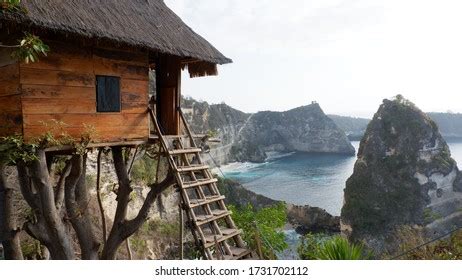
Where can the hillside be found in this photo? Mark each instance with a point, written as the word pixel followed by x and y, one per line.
pixel 353 127
pixel 450 125
pixel 249 137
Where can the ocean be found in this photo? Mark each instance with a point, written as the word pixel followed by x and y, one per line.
pixel 304 178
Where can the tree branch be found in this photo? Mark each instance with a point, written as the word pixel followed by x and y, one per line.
pixel 156 189
pixel 123 193
pixel 75 194
pixel 98 195
pixel 26 188
pixel 123 229
pixel 59 196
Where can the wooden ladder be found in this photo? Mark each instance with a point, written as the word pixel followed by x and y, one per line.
pixel 212 227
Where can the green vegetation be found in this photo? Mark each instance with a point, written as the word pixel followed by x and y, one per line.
pixel 412 238
pixel 157 231
pixel 30 48
pixel 325 247
pixel 262 228
pixel 31 249
pixel 10 5
pixel 14 149
pixel 144 170
pixel 430 216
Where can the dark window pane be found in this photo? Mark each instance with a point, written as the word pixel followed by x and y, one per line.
pixel 108 94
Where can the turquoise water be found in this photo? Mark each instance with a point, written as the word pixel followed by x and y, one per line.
pixel 304 179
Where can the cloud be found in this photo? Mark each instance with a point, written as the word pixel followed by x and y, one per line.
pixel 348 55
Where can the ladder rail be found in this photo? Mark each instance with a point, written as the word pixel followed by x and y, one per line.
pixel 173 164
pixel 186 162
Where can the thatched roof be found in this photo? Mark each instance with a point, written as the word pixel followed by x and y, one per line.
pixel 148 24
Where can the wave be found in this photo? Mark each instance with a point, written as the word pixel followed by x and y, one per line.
pixel 238 167
pixel 277 155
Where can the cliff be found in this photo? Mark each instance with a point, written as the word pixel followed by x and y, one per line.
pixel 303 129
pixel 404 176
pixel 303 218
pixel 353 127
pixel 220 120
pixel 449 124
pixel 249 137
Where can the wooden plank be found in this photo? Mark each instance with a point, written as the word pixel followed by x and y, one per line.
pixel 97 120
pixel 10 88
pixel 101 134
pixel 10 103
pixel 134 58
pixel 64 59
pixel 9 73
pixel 58 106
pixel 7 131
pixel 5 57
pixel 110 67
pixel 57 78
pixel 11 119
pixel 135 107
pixel 58 92
pixel 135 91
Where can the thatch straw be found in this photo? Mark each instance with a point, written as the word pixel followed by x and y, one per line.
pixel 148 24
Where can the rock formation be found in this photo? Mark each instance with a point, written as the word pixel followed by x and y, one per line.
pixel 404 175
pixel 248 137
pixel 303 218
pixel 303 129
pixel 220 120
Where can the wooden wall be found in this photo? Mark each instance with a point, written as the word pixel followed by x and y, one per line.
pixel 10 98
pixel 61 87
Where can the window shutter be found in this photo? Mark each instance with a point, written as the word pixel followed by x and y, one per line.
pixel 108 94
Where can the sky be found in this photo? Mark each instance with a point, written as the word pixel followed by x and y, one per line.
pixel 348 55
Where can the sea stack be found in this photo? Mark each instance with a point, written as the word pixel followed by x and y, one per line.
pixel 404 176
pixel 303 129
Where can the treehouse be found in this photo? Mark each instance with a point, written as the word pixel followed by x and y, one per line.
pixel 95 81
pixel 96 74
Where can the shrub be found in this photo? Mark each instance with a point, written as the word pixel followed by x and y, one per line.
pixel 324 247
pixel 262 226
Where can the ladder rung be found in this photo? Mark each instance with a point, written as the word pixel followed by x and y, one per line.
pixel 239 252
pixel 220 238
pixel 199 183
pixel 207 200
pixel 203 219
pixel 185 151
pixel 227 231
pixel 219 212
pixel 192 168
pixel 210 238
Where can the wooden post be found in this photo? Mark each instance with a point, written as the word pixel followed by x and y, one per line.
pixel 258 241
pixel 181 231
pixel 129 249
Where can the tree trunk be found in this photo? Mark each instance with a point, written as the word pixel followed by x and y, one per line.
pixel 49 227
pixel 9 236
pixel 77 200
pixel 122 228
